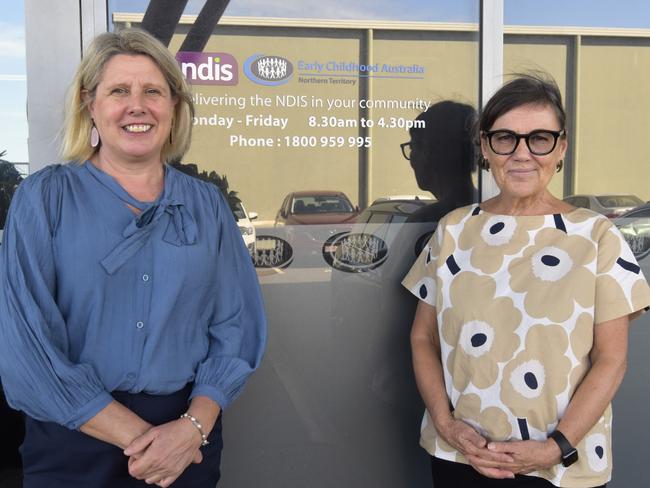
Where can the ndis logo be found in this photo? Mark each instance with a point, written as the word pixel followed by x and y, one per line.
pixel 208 68
pixel 268 70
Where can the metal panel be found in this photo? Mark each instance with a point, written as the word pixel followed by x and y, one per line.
pixel 55 32
pixel 53 49
pixel 490 69
pixel 94 20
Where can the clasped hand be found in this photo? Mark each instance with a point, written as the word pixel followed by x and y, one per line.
pixel 160 455
pixel 499 459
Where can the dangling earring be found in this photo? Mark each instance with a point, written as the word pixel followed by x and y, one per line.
pixel 484 164
pixel 171 131
pixel 94 136
pixel 559 166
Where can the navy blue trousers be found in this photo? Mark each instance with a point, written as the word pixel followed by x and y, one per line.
pixel 56 457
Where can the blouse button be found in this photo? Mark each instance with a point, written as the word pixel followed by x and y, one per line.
pixel 145 277
pixel 139 324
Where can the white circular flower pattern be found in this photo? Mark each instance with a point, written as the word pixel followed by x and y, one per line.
pixel 528 378
pixel 596 446
pixel 498 230
pixel 551 264
pixel 476 338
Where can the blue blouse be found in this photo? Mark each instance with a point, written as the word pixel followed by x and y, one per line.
pixel 95 298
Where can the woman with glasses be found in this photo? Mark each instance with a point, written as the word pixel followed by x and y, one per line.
pixel 520 337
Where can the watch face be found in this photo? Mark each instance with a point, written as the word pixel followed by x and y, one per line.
pixel 570 458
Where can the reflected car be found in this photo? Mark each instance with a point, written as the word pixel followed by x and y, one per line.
pixel 392 211
pixel 635 227
pixel 316 207
pixel 611 206
pixel 389 198
pixel 246 226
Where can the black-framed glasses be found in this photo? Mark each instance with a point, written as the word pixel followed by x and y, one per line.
pixel 406 149
pixel 540 142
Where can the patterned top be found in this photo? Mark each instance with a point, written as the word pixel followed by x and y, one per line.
pixel 516 299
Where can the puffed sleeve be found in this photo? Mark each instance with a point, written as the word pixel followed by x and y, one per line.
pixel 37 376
pixel 621 288
pixel 238 329
pixel 421 279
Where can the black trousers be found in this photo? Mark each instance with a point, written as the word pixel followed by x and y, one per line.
pixel 448 474
pixel 56 457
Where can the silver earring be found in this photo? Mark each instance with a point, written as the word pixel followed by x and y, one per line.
pixel 94 137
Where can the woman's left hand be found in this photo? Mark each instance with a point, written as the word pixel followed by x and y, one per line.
pixel 162 453
pixel 528 456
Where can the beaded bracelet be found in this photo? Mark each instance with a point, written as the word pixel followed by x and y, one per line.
pixel 199 427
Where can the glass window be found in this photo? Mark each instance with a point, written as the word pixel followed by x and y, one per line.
pixel 600 57
pixel 303 107
pixel 14 167
pixel 13 100
pixel 619 201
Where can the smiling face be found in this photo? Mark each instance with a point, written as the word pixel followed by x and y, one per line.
pixel 522 174
pixel 132 109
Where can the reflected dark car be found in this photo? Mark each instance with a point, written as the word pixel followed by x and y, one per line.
pixel 611 206
pixel 316 207
pixel 635 227
pixel 392 211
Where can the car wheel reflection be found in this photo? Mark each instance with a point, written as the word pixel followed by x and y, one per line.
pixel 421 242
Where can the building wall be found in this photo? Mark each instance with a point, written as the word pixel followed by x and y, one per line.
pixel 614 103
pixel 529 53
pixel 606 124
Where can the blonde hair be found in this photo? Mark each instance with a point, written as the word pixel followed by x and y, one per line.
pixel 75 144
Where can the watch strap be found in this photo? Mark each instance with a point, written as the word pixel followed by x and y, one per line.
pixel 568 451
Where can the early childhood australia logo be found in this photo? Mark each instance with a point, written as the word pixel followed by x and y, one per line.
pixel 208 68
pixel 268 70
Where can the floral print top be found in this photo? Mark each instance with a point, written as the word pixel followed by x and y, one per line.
pixel 517 299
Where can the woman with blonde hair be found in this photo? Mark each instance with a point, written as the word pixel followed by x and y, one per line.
pixel 130 314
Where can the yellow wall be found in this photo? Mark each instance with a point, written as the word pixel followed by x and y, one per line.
pixel 263 176
pixel 452 64
pixel 614 114
pixel 522 54
pixel 612 102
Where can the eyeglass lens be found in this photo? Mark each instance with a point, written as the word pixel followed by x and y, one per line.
pixel 539 142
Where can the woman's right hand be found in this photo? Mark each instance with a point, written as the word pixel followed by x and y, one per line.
pixel 163 453
pixel 466 440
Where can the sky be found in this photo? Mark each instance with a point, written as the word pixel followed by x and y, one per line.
pixel 13 89
pixel 591 13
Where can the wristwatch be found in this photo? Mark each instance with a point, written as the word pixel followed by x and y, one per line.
pixel 569 453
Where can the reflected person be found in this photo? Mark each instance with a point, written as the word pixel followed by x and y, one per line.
pixel 130 313
pixel 441 153
pixel 520 335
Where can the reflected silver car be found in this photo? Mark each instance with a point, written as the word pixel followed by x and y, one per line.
pixel 611 206
pixel 635 227
pixel 246 226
